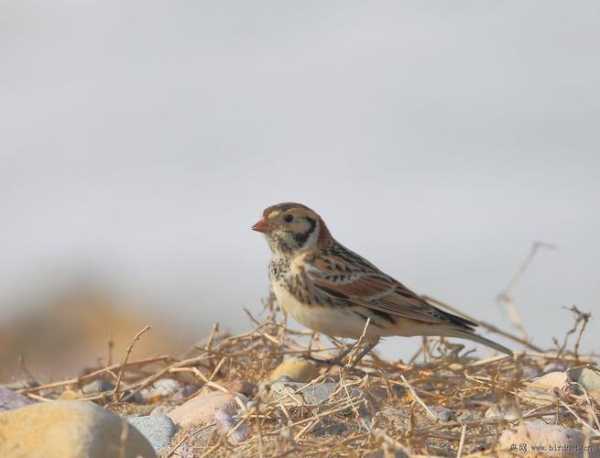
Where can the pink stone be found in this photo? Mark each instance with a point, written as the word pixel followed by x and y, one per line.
pixel 202 408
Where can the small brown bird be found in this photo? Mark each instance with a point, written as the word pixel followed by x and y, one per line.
pixel 332 290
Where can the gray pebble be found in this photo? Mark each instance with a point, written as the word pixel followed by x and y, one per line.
pixel 163 388
pixel 589 379
pixel 97 386
pixel 311 394
pixel 158 429
pixel 185 392
pixel 468 415
pixel 556 366
pixel 504 412
pixel 21 384
pixel 443 413
pixel 382 454
pixel 10 400
pixel 530 372
pixel 160 410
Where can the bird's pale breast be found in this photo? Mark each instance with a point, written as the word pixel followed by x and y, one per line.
pixel 330 320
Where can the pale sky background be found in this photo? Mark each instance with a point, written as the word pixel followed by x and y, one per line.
pixel 140 140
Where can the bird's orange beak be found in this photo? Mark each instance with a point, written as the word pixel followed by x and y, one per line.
pixel 261 226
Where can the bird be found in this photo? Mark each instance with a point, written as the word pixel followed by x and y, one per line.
pixel 332 290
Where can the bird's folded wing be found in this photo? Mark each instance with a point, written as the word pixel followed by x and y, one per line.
pixel 373 289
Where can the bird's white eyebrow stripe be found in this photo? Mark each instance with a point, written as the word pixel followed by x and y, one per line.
pixel 273 214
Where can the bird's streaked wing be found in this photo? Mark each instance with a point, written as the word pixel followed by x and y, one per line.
pixel 343 275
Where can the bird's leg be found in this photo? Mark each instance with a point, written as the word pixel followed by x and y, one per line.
pixel 366 349
pixel 337 361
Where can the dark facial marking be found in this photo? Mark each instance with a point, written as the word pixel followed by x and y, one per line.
pixel 301 238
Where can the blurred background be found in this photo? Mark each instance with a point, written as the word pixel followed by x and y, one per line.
pixel 141 140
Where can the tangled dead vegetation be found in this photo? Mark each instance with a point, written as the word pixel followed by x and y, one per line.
pixel 442 402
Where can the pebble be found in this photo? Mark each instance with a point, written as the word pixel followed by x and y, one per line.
pixel 550 381
pixel 329 427
pixel 194 441
pixel 241 386
pixel 468 415
pixel 226 422
pixel 294 394
pixel 201 409
pixel 160 410
pixel 100 386
pixel 589 379
pixel 97 386
pixel 547 437
pixel 158 429
pixel 10 400
pixel 296 370
pixel 69 395
pixel 396 413
pixel 502 412
pixel 185 392
pixel 443 413
pixel 74 429
pixel 388 454
pixel 161 389
pixel 556 366
pixel 530 372
pixel 20 384
pixel 542 389
pixel 300 394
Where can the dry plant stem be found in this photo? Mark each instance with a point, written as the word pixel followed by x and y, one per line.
pixel 483 324
pixel 334 361
pixel 94 375
pixel 211 450
pixel 186 437
pixel 111 347
pixel 535 247
pixel 381 434
pixel 580 318
pixel 594 432
pixel 586 318
pixel 23 368
pixel 351 350
pixel 125 359
pixel 144 383
pixel 506 295
pixel 188 362
pixel 350 400
pixel 417 398
pixel 591 409
pixel 354 361
pixel 212 335
pixel 288 426
pixel 415 356
pixel 462 441
pixel 38 398
pixel 553 357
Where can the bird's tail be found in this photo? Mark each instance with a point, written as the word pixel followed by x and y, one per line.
pixel 470 335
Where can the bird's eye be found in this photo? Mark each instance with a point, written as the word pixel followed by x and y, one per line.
pixel 288 218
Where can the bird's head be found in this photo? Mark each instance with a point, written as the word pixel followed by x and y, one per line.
pixel 292 228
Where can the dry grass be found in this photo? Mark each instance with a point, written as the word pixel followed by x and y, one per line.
pixel 397 411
